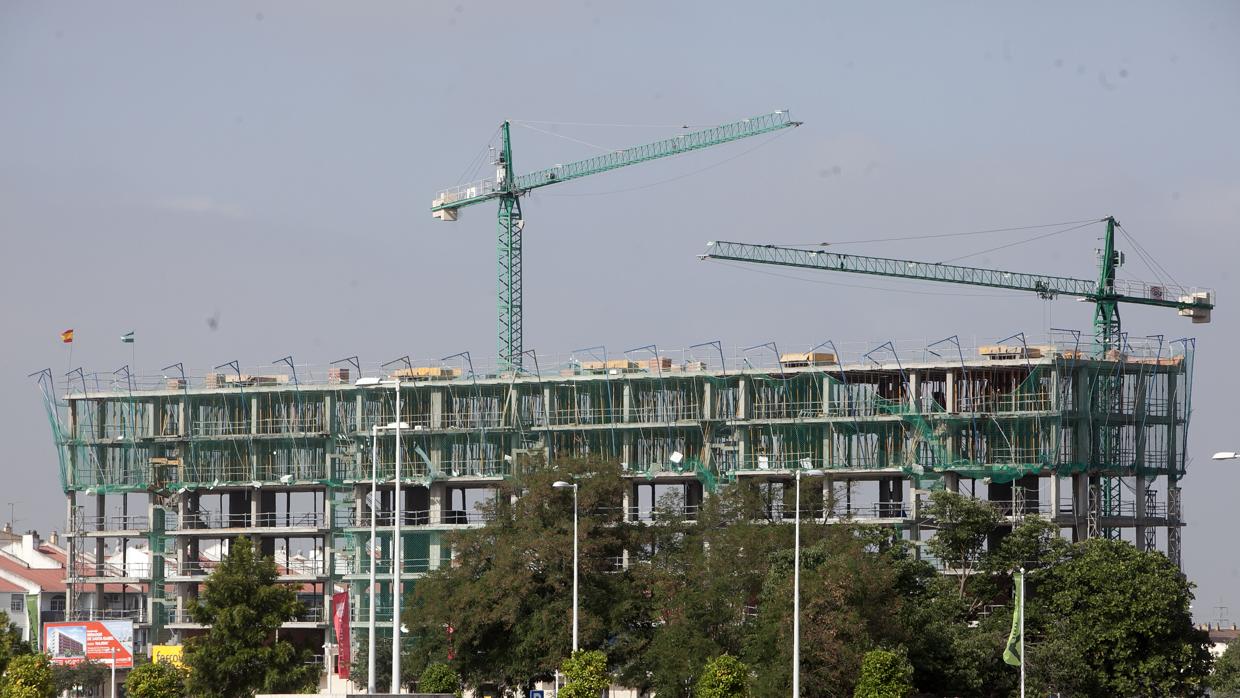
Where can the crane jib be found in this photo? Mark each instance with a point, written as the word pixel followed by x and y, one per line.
pixel 1044 285
pixel 485 190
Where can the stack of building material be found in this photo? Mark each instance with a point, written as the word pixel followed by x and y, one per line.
pixel 337 375
pixel 226 380
pixel 806 358
pixel 427 373
pixel 662 363
pixel 1000 352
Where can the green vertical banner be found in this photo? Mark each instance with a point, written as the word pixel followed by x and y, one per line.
pixel 32 621
pixel 1011 653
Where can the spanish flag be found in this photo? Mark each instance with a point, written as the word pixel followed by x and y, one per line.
pixel 67 336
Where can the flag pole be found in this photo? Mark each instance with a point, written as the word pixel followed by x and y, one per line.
pixel 1022 632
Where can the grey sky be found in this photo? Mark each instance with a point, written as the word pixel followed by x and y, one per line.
pixel 271 165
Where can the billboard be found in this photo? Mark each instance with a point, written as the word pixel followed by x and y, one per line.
pixel 96 641
pixel 172 654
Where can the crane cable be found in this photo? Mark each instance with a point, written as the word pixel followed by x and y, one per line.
pixel 1012 294
pixel 1020 242
pixel 932 236
pixel 712 166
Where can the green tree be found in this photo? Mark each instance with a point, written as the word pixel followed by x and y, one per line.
pixel 439 678
pixel 11 642
pixel 962 525
pixel 695 574
pixel 28 676
pixel 849 604
pixel 359 669
pixel 156 680
pixel 241 654
pixel 83 676
pixel 1225 683
pixel 500 611
pixel 1124 614
pixel 885 674
pixel 585 675
pixel 724 676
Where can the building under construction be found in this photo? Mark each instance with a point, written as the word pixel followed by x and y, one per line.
pixel 160 473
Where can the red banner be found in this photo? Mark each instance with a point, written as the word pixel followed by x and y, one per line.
pixel 344 643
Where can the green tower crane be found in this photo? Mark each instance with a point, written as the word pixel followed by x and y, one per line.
pixel 508 188
pixel 1106 293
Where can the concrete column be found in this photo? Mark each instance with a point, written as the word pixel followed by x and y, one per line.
pixel 71 543
pixel 547 404
pixel 914 391
pixel 1142 482
pixel 434 546
pixel 626 403
pixel 951 482
pixel 1080 506
pixel 742 399
pixel 436 409
pixel 437 492
pixel 914 513
pixel 329 557
pixel 1054 496
pixel 707 402
pixel 950 396
pixel 1174 502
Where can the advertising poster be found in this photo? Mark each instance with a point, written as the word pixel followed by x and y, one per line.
pixel 172 654
pixel 96 641
pixel 340 616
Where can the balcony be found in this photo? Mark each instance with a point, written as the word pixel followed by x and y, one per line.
pixel 111 571
pixel 345 518
pixel 137 615
pixel 208 520
pixel 290 568
pixel 93 524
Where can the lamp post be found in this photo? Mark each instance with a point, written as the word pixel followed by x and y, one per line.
pixel 396 554
pixel 796 585
pixel 560 484
pixel 1225 455
pixel 396 426
pixel 372 546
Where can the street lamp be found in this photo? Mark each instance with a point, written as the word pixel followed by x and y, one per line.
pixel 395 426
pixel 1226 455
pixel 560 484
pixel 796 585
pixel 374 498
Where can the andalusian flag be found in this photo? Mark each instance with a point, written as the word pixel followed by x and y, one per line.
pixel 67 336
pixel 1016 640
pixel 127 338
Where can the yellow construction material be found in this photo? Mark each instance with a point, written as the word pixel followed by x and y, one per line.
pixel 806 358
pixel 427 373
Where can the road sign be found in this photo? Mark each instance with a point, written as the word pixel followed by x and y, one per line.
pixel 536 694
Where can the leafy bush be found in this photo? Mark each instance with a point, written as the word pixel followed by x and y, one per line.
pixel 885 674
pixel 724 676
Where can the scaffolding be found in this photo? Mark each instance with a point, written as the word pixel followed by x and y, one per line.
pixel 1095 444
